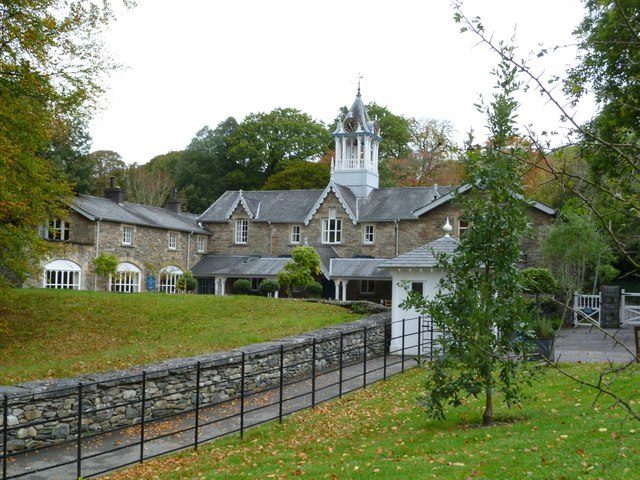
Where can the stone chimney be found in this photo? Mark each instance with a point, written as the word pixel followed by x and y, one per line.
pixel 114 193
pixel 174 204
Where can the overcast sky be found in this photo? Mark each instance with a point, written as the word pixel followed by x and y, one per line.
pixel 196 62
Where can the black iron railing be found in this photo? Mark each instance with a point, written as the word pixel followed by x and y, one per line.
pixel 326 375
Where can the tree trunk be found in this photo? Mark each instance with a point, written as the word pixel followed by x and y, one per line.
pixel 487 416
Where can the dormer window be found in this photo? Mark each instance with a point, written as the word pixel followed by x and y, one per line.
pixel 242 231
pixel 332 228
pixel 58 230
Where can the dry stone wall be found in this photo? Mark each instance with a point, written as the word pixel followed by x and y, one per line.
pixel 46 412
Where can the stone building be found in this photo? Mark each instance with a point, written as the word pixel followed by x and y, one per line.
pixel 148 241
pixel 352 223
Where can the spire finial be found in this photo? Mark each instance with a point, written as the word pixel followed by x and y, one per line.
pixel 359 78
pixel 447 228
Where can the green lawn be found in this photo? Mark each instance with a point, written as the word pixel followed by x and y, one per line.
pixel 382 433
pixel 60 333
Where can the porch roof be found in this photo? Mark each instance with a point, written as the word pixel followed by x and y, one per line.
pixel 358 268
pixel 425 256
pixel 239 266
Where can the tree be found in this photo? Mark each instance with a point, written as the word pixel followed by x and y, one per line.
pixel 51 60
pixel 204 170
pixel 301 270
pixel 572 247
pixel 395 131
pixel 106 164
pixel 300 175
pixel 106 265
pixel 268 142
pixel 148 185
pixel 479 302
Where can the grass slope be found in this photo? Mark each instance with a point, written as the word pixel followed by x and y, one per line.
pixel 382 433
pixel 59 333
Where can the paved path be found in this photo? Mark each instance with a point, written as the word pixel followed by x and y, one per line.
pixel 588 344
pixel 166 435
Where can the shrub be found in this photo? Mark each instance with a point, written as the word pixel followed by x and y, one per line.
pixel 546 327
pixel 314 289
pixel 186 282
pixel 359 308
pixel 269 286
pixel 538 280
pixel 106 264
pixel 242 286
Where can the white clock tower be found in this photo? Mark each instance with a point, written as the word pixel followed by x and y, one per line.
pixel 357 140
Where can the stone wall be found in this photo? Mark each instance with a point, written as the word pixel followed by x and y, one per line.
pixel 46 412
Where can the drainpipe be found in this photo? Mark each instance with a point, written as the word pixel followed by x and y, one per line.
pixel 95 281
pixel 189 248
pixel 270 237
pixel 397 225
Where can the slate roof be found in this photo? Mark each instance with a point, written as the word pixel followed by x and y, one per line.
pixel 239 266
pixel 359 268
pixel 293 206
pixel 424 256
pixel 135 214
pixel 277 206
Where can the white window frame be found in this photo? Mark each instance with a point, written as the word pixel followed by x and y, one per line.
pixel 58 230
pixel 169 277
pixel 462 229
pixel 172 241
pixel 125 240
pixel 127 279
pixel 242 232
pixel 62 274
pixel 368 238
pixel 294 236
pixel 367 287
pixel 201 243
pixel 332 228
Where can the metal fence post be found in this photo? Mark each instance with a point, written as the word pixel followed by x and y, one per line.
pixel 313 374
pixel 242 370
pixel 404 321
pixel 384 354
pixel 281 383
pixel 5 416
pixel 431 327
pixel 143 408
pixel 197 417
pixel 79 434
pixel 341 364
pixel 364 363
pixel 419 338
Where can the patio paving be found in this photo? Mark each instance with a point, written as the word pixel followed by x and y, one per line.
pixel 590 345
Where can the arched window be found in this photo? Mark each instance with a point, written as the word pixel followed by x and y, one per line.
pixel 127 278
pixel 62 274
pixel 169 278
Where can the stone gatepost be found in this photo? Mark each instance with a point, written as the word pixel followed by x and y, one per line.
pixel 610 306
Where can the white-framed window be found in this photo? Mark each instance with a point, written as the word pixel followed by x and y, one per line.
pixel 201 243
pixel 242 231
pixel 367 287
pixel 127 278
pixel 295 234
pixel 169 279
pixel 58 230
pixel 332 228
pixel 172 241
pixel 127 235
pixel 368 234
pixel 463 226
pixel 62 274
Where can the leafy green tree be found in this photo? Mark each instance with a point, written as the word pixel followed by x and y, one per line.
pixel 301 270
pixel 269 142
pixel 395 131
pixel 51 60
pixel 106 164
pixel 573 247
pixel 105 266
pixel 479 302
pixel 300 175
pixel 204 170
